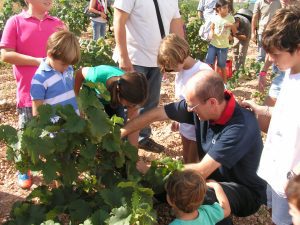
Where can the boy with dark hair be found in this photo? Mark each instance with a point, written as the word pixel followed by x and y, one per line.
pixel 281 155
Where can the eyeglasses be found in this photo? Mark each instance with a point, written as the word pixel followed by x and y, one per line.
pixel 192 108
pixel 168 70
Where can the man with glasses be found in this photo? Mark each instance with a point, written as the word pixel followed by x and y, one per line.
pixel 228 138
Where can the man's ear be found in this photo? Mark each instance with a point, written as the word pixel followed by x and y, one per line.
pixel 213 101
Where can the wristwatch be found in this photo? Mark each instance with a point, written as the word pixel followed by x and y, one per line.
pixel 290 175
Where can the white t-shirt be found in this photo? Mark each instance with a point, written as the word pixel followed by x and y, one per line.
pixel 282 148
pixel 142 29
pixel 182 77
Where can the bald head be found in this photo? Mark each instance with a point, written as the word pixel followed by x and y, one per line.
pixel 206 84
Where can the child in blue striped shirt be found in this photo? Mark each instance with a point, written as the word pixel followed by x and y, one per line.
pixel 53 82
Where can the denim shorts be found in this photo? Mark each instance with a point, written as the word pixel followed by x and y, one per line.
pixel 280 207
pixel 219 53
pixel 276 85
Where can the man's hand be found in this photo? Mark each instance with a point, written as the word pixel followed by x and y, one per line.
pixel 175 126
pixel 125 64
pixel 142 166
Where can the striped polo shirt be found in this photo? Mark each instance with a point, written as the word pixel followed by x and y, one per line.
pixel 53 87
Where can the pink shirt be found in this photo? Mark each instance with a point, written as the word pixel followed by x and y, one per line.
pixel 27 35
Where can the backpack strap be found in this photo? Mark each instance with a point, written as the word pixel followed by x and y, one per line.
pixel 160 23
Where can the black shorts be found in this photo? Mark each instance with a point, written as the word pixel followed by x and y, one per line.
pixel 243 202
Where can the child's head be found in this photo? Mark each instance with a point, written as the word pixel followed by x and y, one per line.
pixel 186 190
pixel 129 90
pixel 63 48
pixel 222 8
pixel 293 195
pixel 39 6
pixel 283 30
pixel 173 51
pixel 282 37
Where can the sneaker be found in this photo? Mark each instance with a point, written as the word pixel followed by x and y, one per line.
pixel 24 180
pixel 150 145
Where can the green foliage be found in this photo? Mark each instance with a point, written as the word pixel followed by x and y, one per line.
pixel 249 72
pixel 159 172
pixel 71 12
pixel 95 53
pixel 6 12
pixel 95 169
pixel 198 47
pixel 188 9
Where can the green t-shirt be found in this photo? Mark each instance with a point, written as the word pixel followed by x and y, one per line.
pixel 221 34
pixel 102 73
pixel 207 214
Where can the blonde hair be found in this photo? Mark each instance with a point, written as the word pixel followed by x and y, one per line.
pixel 63 45
pixel 173 50
pixel 186 189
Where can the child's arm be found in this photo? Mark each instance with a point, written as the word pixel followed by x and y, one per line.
pixel 133 137
pixel 233 28
pixel 35 106
pixel 221 196
pixel 212 31
pixel 13 57
pixel 79 78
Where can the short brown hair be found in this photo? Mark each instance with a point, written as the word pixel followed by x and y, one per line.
pixel 173 50
pixel 63 45
pixel 186 189
pixel 283 30
pixel 292 191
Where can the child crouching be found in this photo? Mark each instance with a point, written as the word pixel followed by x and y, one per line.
pixel 185 194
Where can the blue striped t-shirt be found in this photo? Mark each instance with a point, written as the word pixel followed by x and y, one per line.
pixel 53 87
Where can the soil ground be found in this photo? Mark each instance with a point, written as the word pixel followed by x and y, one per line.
pixel 10 192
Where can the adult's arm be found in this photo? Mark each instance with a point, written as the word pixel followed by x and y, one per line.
pixel 156 114
pixel 11 56
pixel 120 18
pixel 35 106
pixel 79 78
pixel 205 167
pixel 254 27
pixel 176 27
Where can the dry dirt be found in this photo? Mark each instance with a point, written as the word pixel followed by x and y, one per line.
pixel 10 193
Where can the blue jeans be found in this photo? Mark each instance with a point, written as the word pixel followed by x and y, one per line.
pixel 280 207
pixel 98 30
pixel 219 53
pixel 261 53
pixel 154 77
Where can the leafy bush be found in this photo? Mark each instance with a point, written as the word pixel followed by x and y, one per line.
pixel 95 53
pixel 6 12
pixel 71 12
pixel 95 169
pixel 198 47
